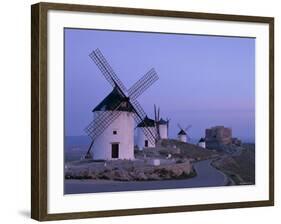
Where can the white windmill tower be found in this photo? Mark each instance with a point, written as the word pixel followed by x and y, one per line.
pixel 112 129
pixel 202 143
pixel 182 135
pixel 157 126
pixel 163 128
pixel 142 140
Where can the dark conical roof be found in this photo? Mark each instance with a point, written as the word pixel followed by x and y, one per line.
pixel 162 121
pixel 113 100
pixel 182 132
pixel 146 122
pixel 202 140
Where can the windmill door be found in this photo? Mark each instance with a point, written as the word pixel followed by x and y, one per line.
pixel 115 150
pixel 146 143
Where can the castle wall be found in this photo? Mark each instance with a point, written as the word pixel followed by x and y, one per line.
pixel 217 136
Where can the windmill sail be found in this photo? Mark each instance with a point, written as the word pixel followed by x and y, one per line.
pixel 143 84
pixel 168 126
pixel 186 130
pixel 107 70
pixel 102 121
pixel 157 118
pixel 140 117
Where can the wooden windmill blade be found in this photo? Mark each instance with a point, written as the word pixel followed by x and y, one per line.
pixel 103 119
pixel 157 118
pixel 103 70
pixel 155 114
pixel 156 123
pixel 179 126
pixel 138 108
pixel 98 125
pixel 107 70
pixel 168 123
pixel 186 131
pixel 135 91
pixel 143 84
pixel 188 127
pixel 158 127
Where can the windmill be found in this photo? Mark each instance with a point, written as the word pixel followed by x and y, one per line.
pixel 142 140
pixel 182 135
pixel 157 119
pixel 121 101
pixel 161 125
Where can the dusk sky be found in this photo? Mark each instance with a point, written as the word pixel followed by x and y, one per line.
pixel 203 80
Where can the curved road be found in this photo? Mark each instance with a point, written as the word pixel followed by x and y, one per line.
pixel 207 176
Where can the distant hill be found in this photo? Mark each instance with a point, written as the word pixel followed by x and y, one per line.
pixel 75 141
pixel 241 167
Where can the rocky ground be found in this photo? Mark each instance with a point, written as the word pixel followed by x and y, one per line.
pixel 178 150
pixel 239 166
pixel 175 159
pixel 176 162
pixel 124 170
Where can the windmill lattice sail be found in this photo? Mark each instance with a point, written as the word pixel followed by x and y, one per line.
pixel 144 83
pixel 102 121
pixel 107 70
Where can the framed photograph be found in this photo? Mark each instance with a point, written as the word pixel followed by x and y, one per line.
pixel 140 111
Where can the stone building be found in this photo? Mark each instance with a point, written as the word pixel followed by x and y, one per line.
pixel 217 137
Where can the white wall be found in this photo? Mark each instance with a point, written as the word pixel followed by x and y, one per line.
pixel 15 111
pixel 202 144
pixel 124 125
pixel 163 131
pixel 182 138
pixel 141 138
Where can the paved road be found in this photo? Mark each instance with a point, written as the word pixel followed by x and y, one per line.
pixel 207 176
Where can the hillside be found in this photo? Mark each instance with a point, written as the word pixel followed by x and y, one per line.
pixel 177 150
pixel 240 168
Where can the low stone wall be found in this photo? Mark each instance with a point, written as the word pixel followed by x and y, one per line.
pixel 130 172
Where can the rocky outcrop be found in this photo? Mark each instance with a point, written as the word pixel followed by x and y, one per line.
pixel 134 173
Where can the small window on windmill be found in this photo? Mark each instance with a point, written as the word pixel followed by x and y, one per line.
pixel 114 132
pixel 124 104
pixel 146 143
pixel 103 108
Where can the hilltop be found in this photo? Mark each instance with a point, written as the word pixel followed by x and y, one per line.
pixel 177 150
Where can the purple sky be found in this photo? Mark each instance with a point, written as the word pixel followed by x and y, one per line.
pixel 203 80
